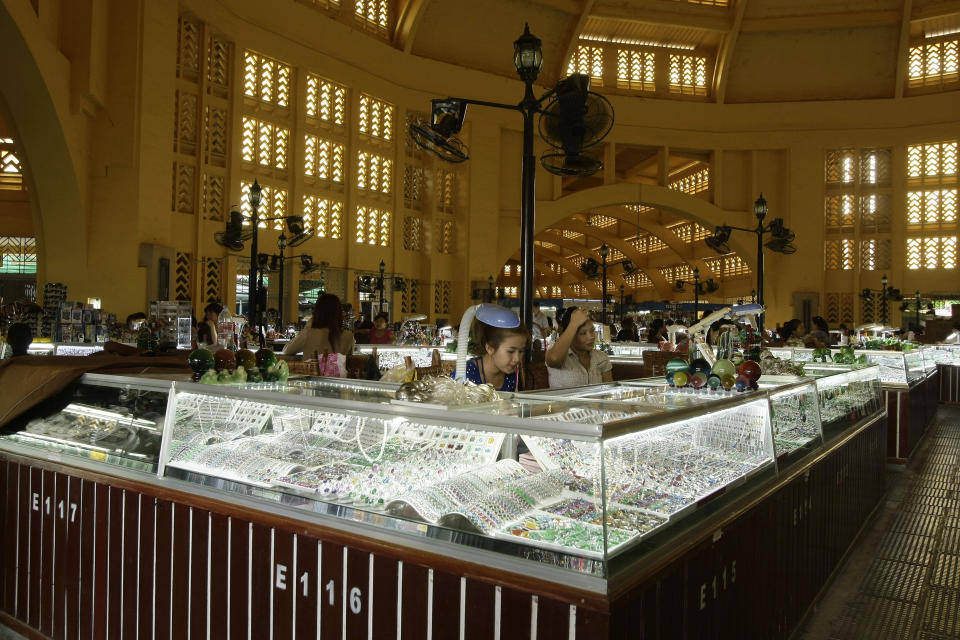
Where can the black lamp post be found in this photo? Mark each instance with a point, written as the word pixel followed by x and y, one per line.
pixel 781 241
pixel 490 289
pixel 623 291
pixel 253 290
pixel 887 293
pixel 447 118
pixel 383 268
pixel 604 252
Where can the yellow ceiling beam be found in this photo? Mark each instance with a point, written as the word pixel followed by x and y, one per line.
pixel 674 14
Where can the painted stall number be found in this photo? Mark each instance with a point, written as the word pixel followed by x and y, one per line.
pixel 304 580
pixel 48 506
pixel 356 596
pixel 719 583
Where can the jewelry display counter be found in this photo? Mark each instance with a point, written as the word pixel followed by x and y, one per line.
pixel 946 359
pixel 911 385
pixel 391 355
pixel 310 510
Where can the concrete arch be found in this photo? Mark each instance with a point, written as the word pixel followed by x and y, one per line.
pixel 551 212
pixel 35 107
pixel 659 283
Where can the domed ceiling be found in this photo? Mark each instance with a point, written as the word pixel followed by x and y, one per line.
pixel 755 50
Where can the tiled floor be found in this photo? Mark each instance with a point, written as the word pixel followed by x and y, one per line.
pixel 902 580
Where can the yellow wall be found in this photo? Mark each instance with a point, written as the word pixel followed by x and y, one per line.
pixel 95 113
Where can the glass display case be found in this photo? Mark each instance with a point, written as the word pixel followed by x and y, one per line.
pixel 610 473
pixel 390 356
pixel 63 348
pixel 941 354
pixel 117 420
pixel 630 348
pixel 896 367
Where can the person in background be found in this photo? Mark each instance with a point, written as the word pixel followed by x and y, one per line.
pixel 541 323
pixel 499 355
pixel 628 331
pixel 134 320
pixel 19 337
pixel 325 332
pixel 844 339
pixel 572 361
pixel 793 332
pixel 820 336
pixel 207 328
pixel 657 331
pixel 381 333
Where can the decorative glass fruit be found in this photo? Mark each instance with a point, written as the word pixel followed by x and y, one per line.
pixel 680 378
pixel 728 382
pixel 225 360
pixel 677 364
pixel 698 379
pixel 265 358
pixel 714 382
pixel 724 368
pixel 200 360
pixel 246 359
pixel 750 369
pixel 699 364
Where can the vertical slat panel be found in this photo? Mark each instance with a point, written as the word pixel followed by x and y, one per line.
pixel 515 609
pixel 414 613
pixel 133 538
pixel 180 598
pixel 307 588
pixel 23 544
pixel 7 535
pixel 358 591
pixel 115 586
pixel 61 516
pixel 284 583
pixel 384 597
pixel 47 553
pixel 198 572
pixel 164 566
pixel 553 620
pixel 239 531
pixel 100 528
pixel 331 590
pixel 36 547
pixel 593 624
pixel 86 546
pixel 146 582
pixel 261 584
pixel 11 510
pixel 219 586
pixel 446 605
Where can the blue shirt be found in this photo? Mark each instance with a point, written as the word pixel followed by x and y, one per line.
pixel 475 375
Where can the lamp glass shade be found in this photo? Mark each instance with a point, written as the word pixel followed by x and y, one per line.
pixel 604 250
pixel 255 194
pixel 528 55
pixel 760 207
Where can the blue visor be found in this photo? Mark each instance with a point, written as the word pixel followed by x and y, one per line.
pixel 497 316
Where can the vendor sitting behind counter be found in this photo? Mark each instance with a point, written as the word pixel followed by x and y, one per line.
pixel 573 361
pixel 325 332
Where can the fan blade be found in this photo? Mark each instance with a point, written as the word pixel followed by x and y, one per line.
pixel 563 164
pixel 449 149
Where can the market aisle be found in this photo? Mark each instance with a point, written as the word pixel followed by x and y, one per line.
pixel 902 581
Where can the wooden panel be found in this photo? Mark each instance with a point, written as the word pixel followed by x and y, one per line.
pixel 261 582
pixel 115 548
pixel 61 514
pixel 515 612
pixel 180 563
pixel 284 584
pixel 146 579
pixel 478 616
pixel 384 597
pixel 86 548
pixel 199 550
pixel 23 545
pixel 219 583
pixel 331 581
pixel 307 588
pixel 446 605
pixel 413 612
pixel 99 526
pixel 163 583
pixel 6 535
pixel 48 502
pixel 129 564
pixel 36 547
pixel 238 622
pixel 11 510
pixel 357 593
pixel 553 619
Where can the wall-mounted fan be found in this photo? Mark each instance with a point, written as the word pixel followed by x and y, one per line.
pixel 439 137
pixel 574 120
pixel 234 236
